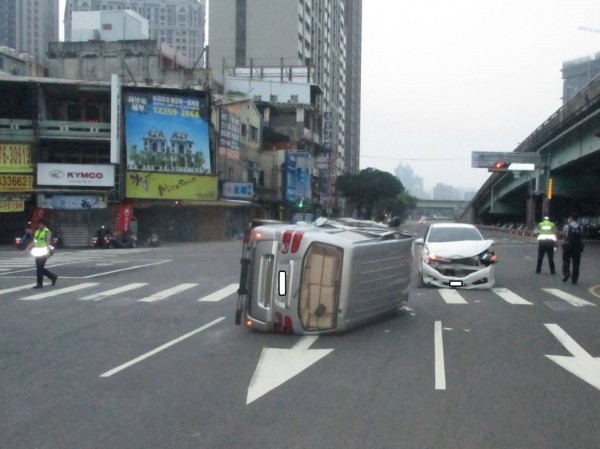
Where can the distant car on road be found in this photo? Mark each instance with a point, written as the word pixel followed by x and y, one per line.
pixel 422 220
pixel 455 255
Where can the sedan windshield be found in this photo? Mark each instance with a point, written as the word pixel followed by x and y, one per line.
pixel 453 234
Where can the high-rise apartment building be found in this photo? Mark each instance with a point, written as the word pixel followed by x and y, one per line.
pixel 321 34
pixel 353 84
pixel 178 23
pixel 8 25
pixel 29 25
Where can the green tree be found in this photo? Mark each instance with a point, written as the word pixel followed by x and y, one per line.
pixel 399 206
pixel 369 188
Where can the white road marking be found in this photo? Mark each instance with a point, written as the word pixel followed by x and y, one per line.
pixel 114 291
pixel 277 366
pixel 16 289
pixel 452 296
pixel 104 273
pixel 571 299
pixel 220 294
pixel 160 348
pixel 510 297
pixel 57 292
pixel 581 364
pixel 168 292
pixel 440 370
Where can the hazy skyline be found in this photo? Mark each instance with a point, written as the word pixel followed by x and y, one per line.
pixel 442 79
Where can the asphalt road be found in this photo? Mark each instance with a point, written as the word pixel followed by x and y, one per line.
pixel 138 349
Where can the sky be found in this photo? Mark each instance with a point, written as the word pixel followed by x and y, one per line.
pixel 441 78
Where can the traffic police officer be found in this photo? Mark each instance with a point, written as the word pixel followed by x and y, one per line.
pixel 546 238
pixel 42 239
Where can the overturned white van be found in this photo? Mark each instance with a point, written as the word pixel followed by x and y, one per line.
pixel 323 277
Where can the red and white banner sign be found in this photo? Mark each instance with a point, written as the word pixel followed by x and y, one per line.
pixel 75 175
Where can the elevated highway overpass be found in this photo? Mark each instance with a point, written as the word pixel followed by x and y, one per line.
pixel 568 144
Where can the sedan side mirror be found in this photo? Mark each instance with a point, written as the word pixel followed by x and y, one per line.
pixel 419 241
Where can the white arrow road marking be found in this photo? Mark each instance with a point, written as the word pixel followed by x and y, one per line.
pixel 510 297
pixel 452 297
pixel 220 294
pixel 277 366
pixel 571 299
pixel 582 364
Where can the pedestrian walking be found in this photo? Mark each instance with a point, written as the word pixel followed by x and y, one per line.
pixel 41 251
pixel 572 246
pixel 546 238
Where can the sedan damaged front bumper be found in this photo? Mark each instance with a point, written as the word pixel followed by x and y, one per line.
pixel 461 276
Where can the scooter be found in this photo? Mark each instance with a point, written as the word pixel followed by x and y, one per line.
pixel 153 239
pixel 22 242
pixel 99 240
pixel 127 241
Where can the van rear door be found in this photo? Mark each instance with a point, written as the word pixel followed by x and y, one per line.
pixel 262 286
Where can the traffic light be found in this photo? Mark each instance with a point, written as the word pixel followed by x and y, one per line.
pixel 301 203
pixel 499 166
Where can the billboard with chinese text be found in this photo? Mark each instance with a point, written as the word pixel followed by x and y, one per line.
pixel 15 158
pixel 229 135
pixel 166 132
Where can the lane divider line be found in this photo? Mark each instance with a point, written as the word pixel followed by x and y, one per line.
pixel 160 348
pixel 440 370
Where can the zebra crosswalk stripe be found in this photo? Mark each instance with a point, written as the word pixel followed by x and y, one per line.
pixel 220 294
pixel 114 291
pixel 166 293
pixel 510 297
pixel 571 299
pixel 57 292
pixel 15 289
pixel 452 297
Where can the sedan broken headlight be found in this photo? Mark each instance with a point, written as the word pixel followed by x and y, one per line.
pixel 487 258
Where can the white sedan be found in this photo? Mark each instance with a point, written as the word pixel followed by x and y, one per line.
pixel 455 255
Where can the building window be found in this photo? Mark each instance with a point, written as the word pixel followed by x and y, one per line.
pixel 273 98
pixel 253 133
pixel 107 26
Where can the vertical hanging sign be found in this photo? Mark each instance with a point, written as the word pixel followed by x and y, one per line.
pixel 115 126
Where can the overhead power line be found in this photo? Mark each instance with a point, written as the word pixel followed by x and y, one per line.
pixel 418 159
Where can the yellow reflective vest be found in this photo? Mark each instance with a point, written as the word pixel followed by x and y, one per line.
pixel 547 230
pixel 40 237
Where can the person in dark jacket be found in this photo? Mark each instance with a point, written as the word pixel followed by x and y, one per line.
pixel 572 249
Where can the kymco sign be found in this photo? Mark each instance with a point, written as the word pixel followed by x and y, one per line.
pixel 76 175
